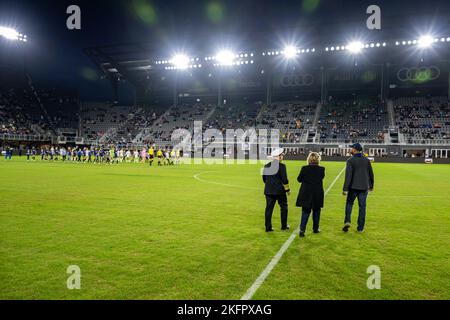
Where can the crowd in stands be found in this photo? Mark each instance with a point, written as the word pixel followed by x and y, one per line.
pixel 419 119
pixel 353 120
pixel 99 118
pixel 423 119
pixel 234 115
pixel 20 113
pixel 178 117
pixel 137 121
pixel 62 107
pixel 288 115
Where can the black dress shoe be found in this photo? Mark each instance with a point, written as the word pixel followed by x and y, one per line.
pixel 285 229
pixel 269 230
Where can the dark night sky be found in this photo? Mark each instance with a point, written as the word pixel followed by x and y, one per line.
pixel 55 56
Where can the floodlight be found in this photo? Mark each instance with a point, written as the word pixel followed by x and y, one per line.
pixel 225 57
pixel 290 52
pixel 355 47
pixel 425 41
pixel 180 61
pixel 9 33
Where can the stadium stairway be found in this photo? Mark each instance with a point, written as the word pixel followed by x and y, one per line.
pixel 317 114
pixel 211 113
pixel 261 112
pixel 391 112
pixel 146 132
pixel 36 95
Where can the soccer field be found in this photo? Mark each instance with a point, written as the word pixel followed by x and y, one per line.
pixel 197 232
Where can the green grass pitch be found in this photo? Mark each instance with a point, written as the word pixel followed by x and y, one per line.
pixel 159 233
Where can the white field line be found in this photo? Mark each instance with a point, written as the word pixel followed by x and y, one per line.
pixel 262 277
pixel 197 177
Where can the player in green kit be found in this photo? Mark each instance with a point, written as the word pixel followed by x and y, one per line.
pixel 111 155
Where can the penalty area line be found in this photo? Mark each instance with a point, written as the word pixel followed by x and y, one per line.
pixel 262 277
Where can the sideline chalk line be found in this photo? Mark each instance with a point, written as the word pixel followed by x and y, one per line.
pixel 197 177
pixel 262 277
pixel 265 273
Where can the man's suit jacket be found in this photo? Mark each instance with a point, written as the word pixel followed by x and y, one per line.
pixel 278 183
pixel 358 174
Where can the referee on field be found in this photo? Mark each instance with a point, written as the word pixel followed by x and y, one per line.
pixel 276 187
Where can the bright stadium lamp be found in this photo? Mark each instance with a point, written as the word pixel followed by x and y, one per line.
pixel 180 61
pixel 425 41
pixel 355 47
pixel 9 33
pixel 225 57
pixel 290 52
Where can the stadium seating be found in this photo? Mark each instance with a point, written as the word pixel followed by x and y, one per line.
pixel 423 120
pixel 137 120
pixel 99 118
pixel 234 116
pixel 353 120
pixel 179 117
pixel 61 106
pixel 289 115
pixel 420 120
pixel 20 113
pixel 292 118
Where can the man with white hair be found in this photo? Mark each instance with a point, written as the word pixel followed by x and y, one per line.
pixel 276 187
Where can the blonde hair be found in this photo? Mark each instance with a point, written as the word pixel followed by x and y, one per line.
pixel 314 158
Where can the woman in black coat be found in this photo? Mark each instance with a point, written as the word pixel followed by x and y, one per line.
pixel 311 194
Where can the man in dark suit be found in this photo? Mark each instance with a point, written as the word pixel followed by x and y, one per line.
pixel 276 187
pixel 359 180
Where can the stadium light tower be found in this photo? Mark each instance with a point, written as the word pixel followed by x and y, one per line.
pixel 290 52
pixel 180 61
pixel 12 34
pixel 425 41
pixel 355 47
pixel 9 33
pixel 225 57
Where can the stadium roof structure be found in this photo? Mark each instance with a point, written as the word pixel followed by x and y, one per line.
pixel 128 59
pixel 133 60
pixel 317 47
pixel 121 59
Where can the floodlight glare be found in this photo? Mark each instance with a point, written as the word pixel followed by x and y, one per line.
pixel 9 33
pixel 225 57
pixel 290 52
pixel 425 41
pixel 180 61
pixel 355 47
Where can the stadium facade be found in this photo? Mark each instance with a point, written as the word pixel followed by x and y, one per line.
pixel 391 94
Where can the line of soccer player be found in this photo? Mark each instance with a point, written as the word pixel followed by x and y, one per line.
pixel 109 155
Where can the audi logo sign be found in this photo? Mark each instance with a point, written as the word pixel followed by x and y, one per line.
pixel 297 80
pixel 418 74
